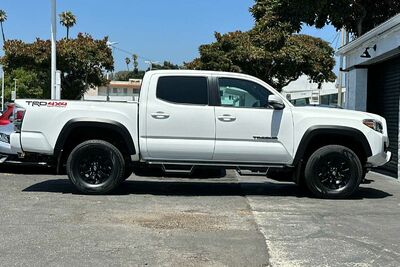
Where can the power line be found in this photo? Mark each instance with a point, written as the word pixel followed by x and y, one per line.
pixel 336 37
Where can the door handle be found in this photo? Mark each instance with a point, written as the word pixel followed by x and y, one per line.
pixel 226 118
pixel 160 115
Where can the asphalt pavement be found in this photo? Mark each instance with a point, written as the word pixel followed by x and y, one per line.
pixel 229 221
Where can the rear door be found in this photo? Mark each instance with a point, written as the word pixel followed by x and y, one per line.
pixel 180 123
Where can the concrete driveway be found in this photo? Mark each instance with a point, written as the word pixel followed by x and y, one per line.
pixel 232 221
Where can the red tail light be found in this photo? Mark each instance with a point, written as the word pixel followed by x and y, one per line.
pixel 18 117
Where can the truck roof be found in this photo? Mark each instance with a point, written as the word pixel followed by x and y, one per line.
pixel 206 72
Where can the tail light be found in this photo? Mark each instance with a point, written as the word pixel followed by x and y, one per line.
pixel 18 117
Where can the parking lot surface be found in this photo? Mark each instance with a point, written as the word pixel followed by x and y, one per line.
pixel 230 221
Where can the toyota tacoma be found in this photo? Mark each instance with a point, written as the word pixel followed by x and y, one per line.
pixel 189 119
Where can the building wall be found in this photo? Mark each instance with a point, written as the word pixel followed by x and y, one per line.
pixel 378 45
pixel 381 44
pixel 130 89
pixel 357 84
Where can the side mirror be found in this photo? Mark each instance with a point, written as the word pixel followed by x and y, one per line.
pixel 276 102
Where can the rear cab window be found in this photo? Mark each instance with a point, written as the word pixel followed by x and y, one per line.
pixel 191 90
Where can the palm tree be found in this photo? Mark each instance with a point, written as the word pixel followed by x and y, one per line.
pixel 135 63
pixel 68 20
pixel 3 18
pixel 127 61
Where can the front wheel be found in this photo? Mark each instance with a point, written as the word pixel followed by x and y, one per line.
pixel 333 172
pixel 96 167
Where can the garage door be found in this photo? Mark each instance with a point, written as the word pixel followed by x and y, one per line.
pixel 383 99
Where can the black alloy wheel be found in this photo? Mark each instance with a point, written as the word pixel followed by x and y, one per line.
pixel 96 167
pixel 333 172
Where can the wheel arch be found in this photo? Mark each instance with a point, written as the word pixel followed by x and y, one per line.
pixel 318 136
pixel 109 127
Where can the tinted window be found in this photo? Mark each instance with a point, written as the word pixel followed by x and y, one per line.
pixel 242 94
pixel 183 90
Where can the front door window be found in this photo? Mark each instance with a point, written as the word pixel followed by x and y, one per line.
pixel 242 94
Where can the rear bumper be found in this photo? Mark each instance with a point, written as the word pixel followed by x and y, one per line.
pixel 15 143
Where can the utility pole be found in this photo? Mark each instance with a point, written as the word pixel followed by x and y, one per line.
pixel 2 90
pixel 14 94
pixel 53 48
pixel 110 45
pixel 340 75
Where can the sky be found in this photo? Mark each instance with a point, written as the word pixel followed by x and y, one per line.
pixel 155 30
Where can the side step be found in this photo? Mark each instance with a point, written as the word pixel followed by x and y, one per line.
pixel 181 169
pixel 3 159
pixel 253 172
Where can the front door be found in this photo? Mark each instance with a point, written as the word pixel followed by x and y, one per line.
pixel 180 124
pixel 247 129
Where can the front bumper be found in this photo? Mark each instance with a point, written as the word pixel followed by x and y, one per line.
pixel 379 159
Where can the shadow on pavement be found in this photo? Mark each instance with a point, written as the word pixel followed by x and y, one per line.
pixel 25 169
pixel 200 188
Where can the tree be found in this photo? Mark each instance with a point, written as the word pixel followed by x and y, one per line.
pixel 127 62
pixel 357 16
pixel 82 62
pixel 126 75
pixel 28 85
pixel 273 56
pixel 166 66
pixel 135 63
pixel 68 20
pixel 3 18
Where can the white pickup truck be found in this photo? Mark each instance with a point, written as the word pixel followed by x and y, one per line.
pixel 186 119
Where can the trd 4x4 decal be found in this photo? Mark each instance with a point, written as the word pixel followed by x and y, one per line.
pixel 50 104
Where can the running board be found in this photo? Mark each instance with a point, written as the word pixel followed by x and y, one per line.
pixel 181 169
pixel 3 159
pixel 253 172
pixel 216 164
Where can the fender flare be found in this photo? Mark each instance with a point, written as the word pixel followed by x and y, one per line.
pixel 90 122
pixel 331 130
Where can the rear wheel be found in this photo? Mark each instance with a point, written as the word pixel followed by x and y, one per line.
pixel 333 172
pixel 96 167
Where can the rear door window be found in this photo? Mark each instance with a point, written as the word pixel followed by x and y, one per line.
pixel 183 90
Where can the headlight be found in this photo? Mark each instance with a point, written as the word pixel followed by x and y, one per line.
pixel 4 138
pixel 374 125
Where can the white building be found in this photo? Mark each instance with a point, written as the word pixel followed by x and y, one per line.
pixel 373 79
pixel 116 91
pixel 303 92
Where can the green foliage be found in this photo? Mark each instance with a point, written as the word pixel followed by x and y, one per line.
pixel 127 62
pixel 82 62
pixel 126 75
pixel 273 56
pixel 139 74
pixel 135 63
pixel 357 16
pixel 68 20
pixel 3 16
pixel 166 66
pixel 28 84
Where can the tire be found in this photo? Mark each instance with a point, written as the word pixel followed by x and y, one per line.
pixel 333 172
pixel 95 167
